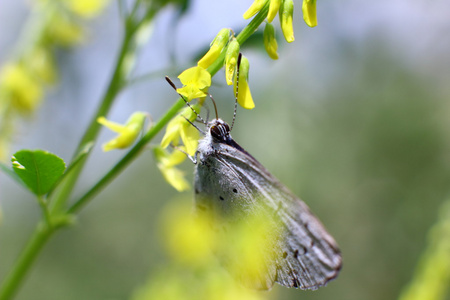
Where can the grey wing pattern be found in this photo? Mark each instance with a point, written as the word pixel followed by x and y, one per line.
pixel 306 256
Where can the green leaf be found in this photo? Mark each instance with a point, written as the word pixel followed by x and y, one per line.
pixel 38 169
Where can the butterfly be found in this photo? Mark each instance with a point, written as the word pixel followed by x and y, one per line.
pixel 232 185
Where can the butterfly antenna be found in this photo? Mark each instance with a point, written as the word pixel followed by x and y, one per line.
pixel 215 107
pixel 187 103
pixel 236 94
pixel 207 111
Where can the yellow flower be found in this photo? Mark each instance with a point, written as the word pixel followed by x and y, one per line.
pixel 286 14
pixel 247 246
pixel 309 12
pixel 273 9
pixel 64 31
pixel 41 64
pixel 87 8
pixel 244 97
pixel 20 87
pixel 270 42
pixel 231 58
pixel 178 128
pixel 192 234
pixel 127 133
pixel 216 48
pixel 166 163
pixel 254 8
pixel 196 81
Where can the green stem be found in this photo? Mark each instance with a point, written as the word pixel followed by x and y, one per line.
pixel 65 188
pixel 45 212
pixel 16 276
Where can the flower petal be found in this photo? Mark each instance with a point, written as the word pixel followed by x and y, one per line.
pixel 270 42
pixel 286 14
pixel 309 12
pixel 244 96
pixel 231 58
pixel 216 48
pixel 127 133
pixel 273 10
pixel 174 177
pixel 254 8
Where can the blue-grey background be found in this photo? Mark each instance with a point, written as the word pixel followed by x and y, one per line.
pixel 353 117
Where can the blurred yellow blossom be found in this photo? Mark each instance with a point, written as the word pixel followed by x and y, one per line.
pixel 286 16
pixel 64 30
pixel 41 64
pixel 244 96
pixel 194 271
pixel 192 234
pixel 231 58
pixel 196 81
pixel 19 88
pixel 309 12
pixel 178 128
pixel 217 45
pixel 87 8
pixel 127 133
pixel 270 42
pixel 167 162
pixel 432 278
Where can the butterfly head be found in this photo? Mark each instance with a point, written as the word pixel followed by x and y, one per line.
pixel 219 130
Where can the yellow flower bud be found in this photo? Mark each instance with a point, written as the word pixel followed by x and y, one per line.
pixel 196 81
pixel 286 14
pixel 270 42
pixel 231 58
pixel 273 9
pixel 127 133
pixel 244 96
pixel 254 8
pixel 309 12
pixel 216 48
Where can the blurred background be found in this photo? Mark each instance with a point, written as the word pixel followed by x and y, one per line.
pixel 353 118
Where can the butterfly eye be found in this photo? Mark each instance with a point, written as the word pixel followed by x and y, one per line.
pixel 216 132
pixel 220 131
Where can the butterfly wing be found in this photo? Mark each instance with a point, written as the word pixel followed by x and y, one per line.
pixel 230 183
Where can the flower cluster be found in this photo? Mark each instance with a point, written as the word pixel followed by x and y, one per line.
pixel 285 10
pixel 23 80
